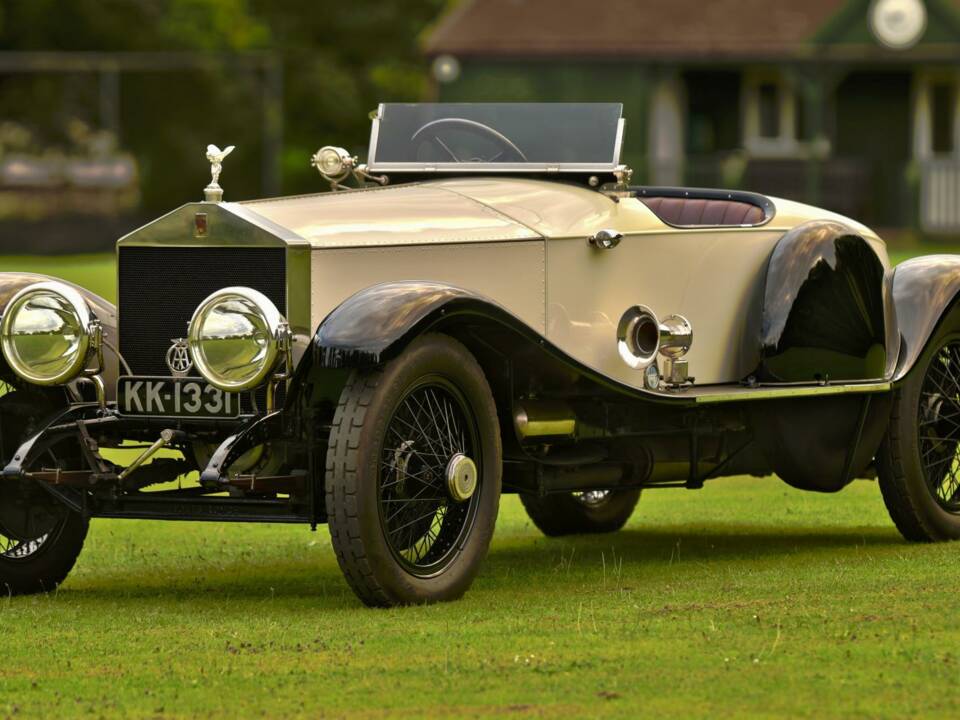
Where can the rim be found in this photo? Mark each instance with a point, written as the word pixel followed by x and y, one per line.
pixel 938 427
pixel 12 548
pixel 423 526
pixel 592 498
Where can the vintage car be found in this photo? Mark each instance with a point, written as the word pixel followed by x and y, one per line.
pixel 495 308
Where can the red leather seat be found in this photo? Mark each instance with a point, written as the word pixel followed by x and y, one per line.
pixel 694 212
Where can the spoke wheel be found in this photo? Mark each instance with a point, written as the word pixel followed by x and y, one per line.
pixel 423 524
pixel 918 461
pixel 412 475
pixel 938 427
pixel 593 498
pixel 39 539
pixel 12 548
pixel 580 513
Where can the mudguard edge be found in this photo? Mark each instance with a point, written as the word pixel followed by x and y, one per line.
pixel 923 289
pixel 827 314
pixel 375 324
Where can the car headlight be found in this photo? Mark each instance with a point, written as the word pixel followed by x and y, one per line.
pixel 332 161
pixel 236 337
pixel 47 333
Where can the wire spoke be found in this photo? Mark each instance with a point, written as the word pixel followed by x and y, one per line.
pixel 422 525
pixel 12 548
pixel 938 427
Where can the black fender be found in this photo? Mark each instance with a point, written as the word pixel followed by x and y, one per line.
pixel 827 311
pixel 924 289
pixel 63 424
pixel 371 326
pixel 13 282
pixel 257 431
pixel 374 325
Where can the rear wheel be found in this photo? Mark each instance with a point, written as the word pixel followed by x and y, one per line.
pixel 581 513
pixel 40 539
pixel 918 463
pixel 413 475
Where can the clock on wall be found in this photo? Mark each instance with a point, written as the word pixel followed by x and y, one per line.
pixel 898 24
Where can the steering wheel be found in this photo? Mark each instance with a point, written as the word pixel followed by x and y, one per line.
pixel 508 151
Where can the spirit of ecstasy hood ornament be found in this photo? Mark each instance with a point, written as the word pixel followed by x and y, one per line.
pixel 213 192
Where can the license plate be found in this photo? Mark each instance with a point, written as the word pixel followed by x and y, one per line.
pixel 174 397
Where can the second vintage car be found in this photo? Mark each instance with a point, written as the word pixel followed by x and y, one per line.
pixel 494 308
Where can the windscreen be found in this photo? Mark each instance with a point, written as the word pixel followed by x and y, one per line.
pixel 578 136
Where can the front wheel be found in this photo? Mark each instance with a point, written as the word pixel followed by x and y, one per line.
pixel 40 539
pixel 413 475
pixel 580 513
pixel 918 463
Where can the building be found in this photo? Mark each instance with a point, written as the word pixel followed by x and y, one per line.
pixel 848 104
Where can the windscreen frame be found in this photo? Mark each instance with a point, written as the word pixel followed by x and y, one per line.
pixel 492 167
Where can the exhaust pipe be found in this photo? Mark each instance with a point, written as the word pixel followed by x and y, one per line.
pixel 544 419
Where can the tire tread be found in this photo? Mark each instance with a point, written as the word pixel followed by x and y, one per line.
pixel 343 459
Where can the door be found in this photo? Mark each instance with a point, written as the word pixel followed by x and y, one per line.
pixel 713 277
pixel 873 130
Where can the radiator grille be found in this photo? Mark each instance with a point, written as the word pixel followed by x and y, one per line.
pixel 160 287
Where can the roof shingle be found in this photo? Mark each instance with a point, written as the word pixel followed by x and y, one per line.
pixel 637 28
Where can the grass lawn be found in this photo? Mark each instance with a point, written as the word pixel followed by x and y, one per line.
pixel 747 598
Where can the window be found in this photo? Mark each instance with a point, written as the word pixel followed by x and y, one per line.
pixel 943 107
pixel 768 99
pixel 801 122
pixel 776 120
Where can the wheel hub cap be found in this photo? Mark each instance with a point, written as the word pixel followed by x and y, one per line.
pixel 461 477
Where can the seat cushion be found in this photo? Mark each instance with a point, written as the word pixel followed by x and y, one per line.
pixel 692 212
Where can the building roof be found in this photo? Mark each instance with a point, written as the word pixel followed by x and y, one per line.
pixel 637 28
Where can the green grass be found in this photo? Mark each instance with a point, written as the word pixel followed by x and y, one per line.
pixel 746 598
pixel 745 595
pixel 94 272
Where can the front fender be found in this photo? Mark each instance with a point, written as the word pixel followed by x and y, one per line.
pixel 371 326
pixel 256 432
pixel 923 290
pixel 374 325
pixel 13 282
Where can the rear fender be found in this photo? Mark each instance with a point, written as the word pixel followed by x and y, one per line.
pixel 827 313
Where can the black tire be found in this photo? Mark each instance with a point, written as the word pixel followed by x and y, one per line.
pixel 45 567
pixel 918 462
pixel 368 467
pixel 578 513
pixel 37 561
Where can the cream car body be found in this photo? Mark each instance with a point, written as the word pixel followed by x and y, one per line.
pixel 522 243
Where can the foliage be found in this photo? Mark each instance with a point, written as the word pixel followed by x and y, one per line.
pixel 338 59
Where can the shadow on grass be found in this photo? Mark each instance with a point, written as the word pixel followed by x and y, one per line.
pixel 530 561
pixel 714 542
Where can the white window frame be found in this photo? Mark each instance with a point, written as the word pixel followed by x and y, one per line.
pixel 923 83
pixel 786 144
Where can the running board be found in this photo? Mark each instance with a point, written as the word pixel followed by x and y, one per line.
pixel 215 509
pixel 739 393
